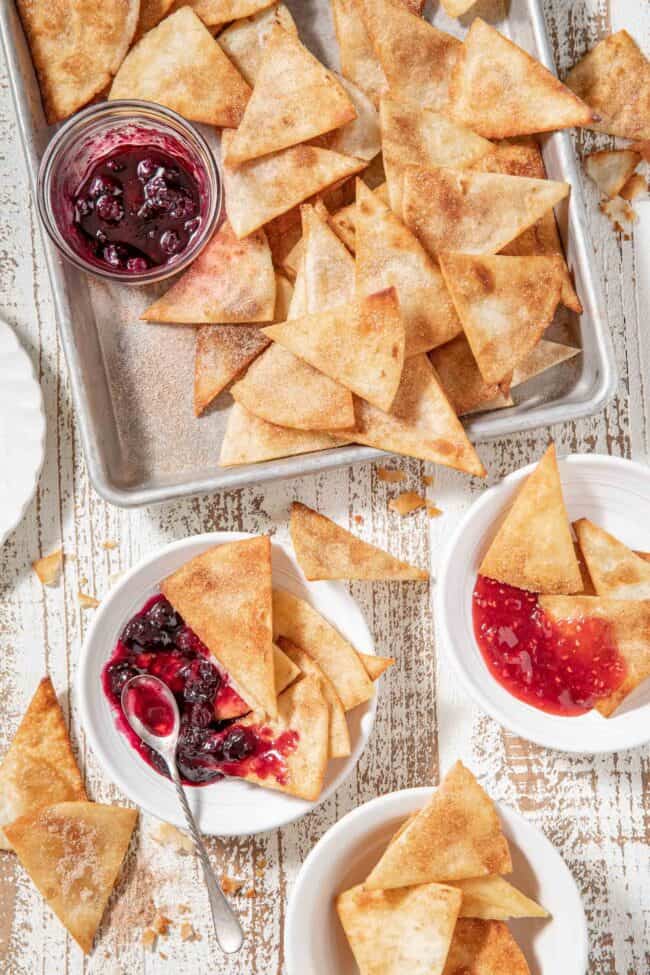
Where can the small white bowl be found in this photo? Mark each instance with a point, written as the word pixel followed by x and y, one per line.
pixel 615 494
pixel 226 808
pixel 315 943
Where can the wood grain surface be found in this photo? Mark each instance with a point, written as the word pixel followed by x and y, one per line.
pixel 595 810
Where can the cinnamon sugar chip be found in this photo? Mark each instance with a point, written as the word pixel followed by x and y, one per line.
pixel 390 476
pixel 230 885
pixel 637 185
pixel 48 568
pixel 406 502
pixel 149 938
pixel 167 835
pixel 86 601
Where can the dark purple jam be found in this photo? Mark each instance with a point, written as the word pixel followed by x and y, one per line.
pixel 137 208
pixel 212 743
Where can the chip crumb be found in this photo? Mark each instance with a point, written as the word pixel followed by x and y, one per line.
pixel 183 909
pixel 618 211
pixel 188 933
pixel 390 476
pixel 86 601
pixel 167 835
pixel 251 893
pixel 230 885
pixel 358 519
pixel 433 512
pixel 636 186
pixel 160 924
pixel 48 569
pixel 163 955
pixel 427 480
pixel 109 545
pixel 149 938
pixel 83 581
pixel 261 863
pixel 406 502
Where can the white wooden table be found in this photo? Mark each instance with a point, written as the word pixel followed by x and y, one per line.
pixel 596 810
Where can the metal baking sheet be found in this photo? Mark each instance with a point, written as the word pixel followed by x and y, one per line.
pixel 132 383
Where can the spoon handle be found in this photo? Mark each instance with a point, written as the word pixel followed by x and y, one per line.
pixel 226 926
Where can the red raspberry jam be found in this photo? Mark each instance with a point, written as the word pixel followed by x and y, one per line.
pixel 560 667
pixel 211 743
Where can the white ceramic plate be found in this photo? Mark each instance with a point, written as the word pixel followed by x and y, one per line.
pixel 314 940
pixel 22 431
pixel 226 808
pixel 613 493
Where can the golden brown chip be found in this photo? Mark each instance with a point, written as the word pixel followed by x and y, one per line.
pixel 244 41
pixel 284 669
pixel 484 948
pixel 361 137
pixel 619 213
pixel 39 767
pixel 251 440
pixel 73 852
pixel 358 60
pixel 406 503
pixel 376 666
pixel 545 355
pixel 610 169
pixel 637 185
pixel 343 222
pixel 615 570
pixel 76 47
pixel 151 13
pixel 456 8
pixel 494 899
pixel 214 13
pixel 461 378
pixel 48 569
pixel 533 548
pixel 328 269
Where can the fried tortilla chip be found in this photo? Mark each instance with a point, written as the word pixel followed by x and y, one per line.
pixel 76 48
pixel 376 666
pixel 484 948
pixel 499 90
pixel 358 60
pixel 339 743
pixel 251 440
pixel 245 40
pixel 295 99
pixel 214 13
pixel 73 852
pixel 456 836
pixel 298 622
pixel 389 255
pixel 533 548
pixel 39 768
pixel 421 422
pixel 179 64
pixel 151 13
pixel 474 213
pixel 326 551
pixel 456 8
pixel 392 932
pixel 360 345
pixel 231 281
pixel 344 221
pixel 637 185
pixel 416 57
pixel 48 569
pixel 284 669
pixel 494 899
pixel 361 137
pixel 610 169
pixel 224 595
pixel 614 79
pixel 328 270
pixel 262 189
pixel 629 620
pixel 545 355
pixel 505 305
pixel 616 571
pixel 461 378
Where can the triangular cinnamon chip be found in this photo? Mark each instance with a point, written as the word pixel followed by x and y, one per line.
pixel 224 595
pixel 397 931
pixel 614 79
pixel 421 422
pixel 545 355
pixel 361 137
pixel 494 899
pixel 474 213
pixel 499 90
pixel 456 8
pixel 416 57
pixel 360 345
pixel 484 948
pixel 296 620
pixel 358 60
pixel 328 268
pixel 339 743
pixel 39 768
pixel 326 551
pixel 461 378
pixel 295 99
pixel 73 852
pixel 151 13
pixel 533 548
pixel 284 669
pixel 231 281
pixel 179 64
pixel 616 571
pixel 610 169
pixel 251 440
pixel 376 666
pixel 455 837
pixel 303 711
pixel 245 40
pixel 224 351
pixel 262 189
pixel 629 620
pixel 389 255
pixel 215 13
pixel 505 305
pixel 343 222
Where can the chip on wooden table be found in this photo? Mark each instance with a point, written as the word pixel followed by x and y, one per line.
pixel 224 595
pixel 494 899
pixel 533 548
pixel 456 836
pixel 326 551
pixel 376 666
pixel 484 948
pixel 73 852
pixel 179 64
pixel 475 213
pixel 616 571
pixel 245 40
pixel 499 90
pixel 39 768
pixel 504 303
pixel 251 440
pixel 610 169
pixel 393 932
pixel 217 12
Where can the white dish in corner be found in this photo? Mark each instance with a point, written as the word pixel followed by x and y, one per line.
pixel 226 808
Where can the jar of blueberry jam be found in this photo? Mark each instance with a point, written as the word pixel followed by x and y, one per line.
pixel 129 190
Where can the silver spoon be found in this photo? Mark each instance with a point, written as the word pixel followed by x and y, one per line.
pixel 226 926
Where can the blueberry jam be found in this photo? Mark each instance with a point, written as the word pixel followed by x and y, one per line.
pixel 212 743
pixel 137 208
pixel 561 667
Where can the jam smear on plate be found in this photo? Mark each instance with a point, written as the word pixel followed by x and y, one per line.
pixel 212 743
pixel 137 208
pixel 559 667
